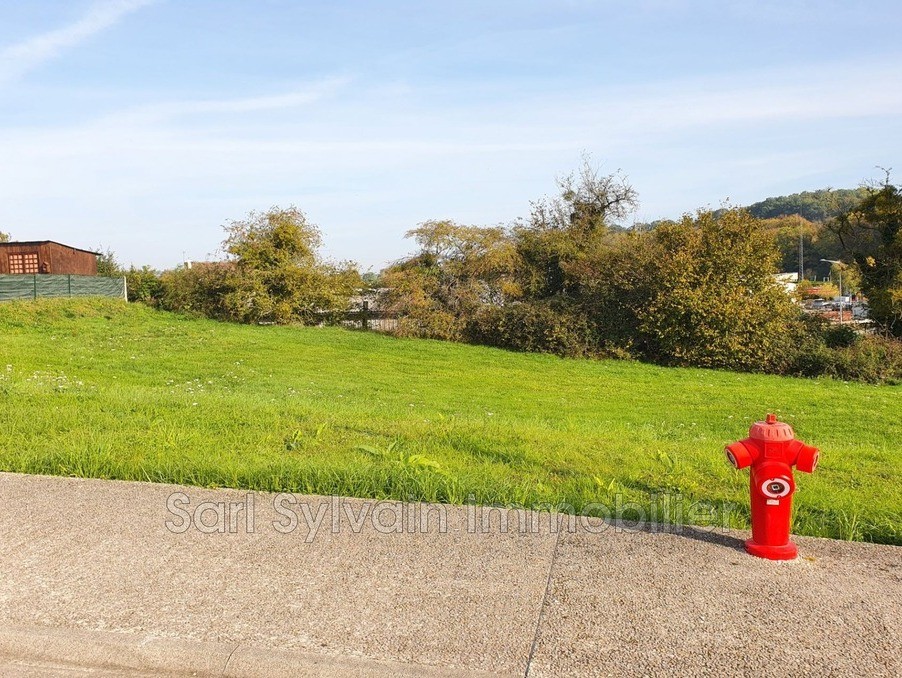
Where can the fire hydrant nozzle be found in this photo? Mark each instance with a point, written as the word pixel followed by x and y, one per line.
pixel 772 450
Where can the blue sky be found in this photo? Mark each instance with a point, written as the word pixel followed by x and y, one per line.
pixel 144 125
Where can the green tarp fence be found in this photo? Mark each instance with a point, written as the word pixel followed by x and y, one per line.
pixel 35 286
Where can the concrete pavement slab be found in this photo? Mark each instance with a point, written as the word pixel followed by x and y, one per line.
pixel 164 578
pixel 641 603
pixel 315 575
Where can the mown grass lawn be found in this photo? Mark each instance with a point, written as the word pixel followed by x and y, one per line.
pixel 101 389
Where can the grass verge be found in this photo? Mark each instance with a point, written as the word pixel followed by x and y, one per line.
pixel 101 389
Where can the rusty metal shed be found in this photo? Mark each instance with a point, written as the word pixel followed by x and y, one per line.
pixel 46 256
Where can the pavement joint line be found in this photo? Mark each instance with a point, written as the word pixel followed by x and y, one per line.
pixel 225 668
pixel 538 629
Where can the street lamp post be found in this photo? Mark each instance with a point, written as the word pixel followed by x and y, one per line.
pixel 839 269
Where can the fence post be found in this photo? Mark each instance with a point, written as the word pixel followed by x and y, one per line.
pixel 365 316
pixel 125 288
pixel 70 284
pixel 35 286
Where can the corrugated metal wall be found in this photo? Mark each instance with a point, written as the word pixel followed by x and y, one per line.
pixel 34 286
pixel 58 259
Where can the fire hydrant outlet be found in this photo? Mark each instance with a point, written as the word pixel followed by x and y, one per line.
pixel 807 458
pixel 738 455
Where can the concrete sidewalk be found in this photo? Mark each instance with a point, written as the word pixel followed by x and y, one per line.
pixel 95 583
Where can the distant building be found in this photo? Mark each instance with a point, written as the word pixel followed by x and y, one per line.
pixel 46 256
pixel 789 281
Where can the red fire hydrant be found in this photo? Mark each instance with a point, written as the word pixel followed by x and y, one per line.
pixel 772 450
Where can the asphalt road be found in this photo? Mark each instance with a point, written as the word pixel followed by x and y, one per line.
pixel 94 582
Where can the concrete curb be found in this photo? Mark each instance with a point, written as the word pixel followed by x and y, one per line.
pixel 107 650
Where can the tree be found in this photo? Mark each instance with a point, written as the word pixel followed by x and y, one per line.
pixel 4 237
pixel 371 279
pixel 271 240
pixel 871 233
pixel 849 275
pixel 458 270
pixel 277 274
pixel 569 281
pixel 827 290
pixel 273 274
pixel 794 235
pixel 817 205
pixel 107 265
pixel 465 281
pixel 587 201
pixel 564 229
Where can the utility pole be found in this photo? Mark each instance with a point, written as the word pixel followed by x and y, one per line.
pixel 801 251
pixel 839 271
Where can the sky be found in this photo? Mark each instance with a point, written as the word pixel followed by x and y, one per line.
pixel 143 126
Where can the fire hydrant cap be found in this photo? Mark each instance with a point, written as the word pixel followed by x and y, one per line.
pixel 771 430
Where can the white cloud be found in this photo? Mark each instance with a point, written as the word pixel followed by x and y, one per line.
pixel 22 57
pixel 829 92
pixel 301 96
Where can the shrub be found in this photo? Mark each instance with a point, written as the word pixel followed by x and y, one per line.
pixel 872 359
pixel 840 336
pixel 429 324
pixel 812 359
pixel 533 326
pixel 713 300
pixel 144 285
pixel 838 351
pixel 200 290
pixel 699 292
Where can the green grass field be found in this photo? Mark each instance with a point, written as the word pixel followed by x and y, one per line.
pixel 101 389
